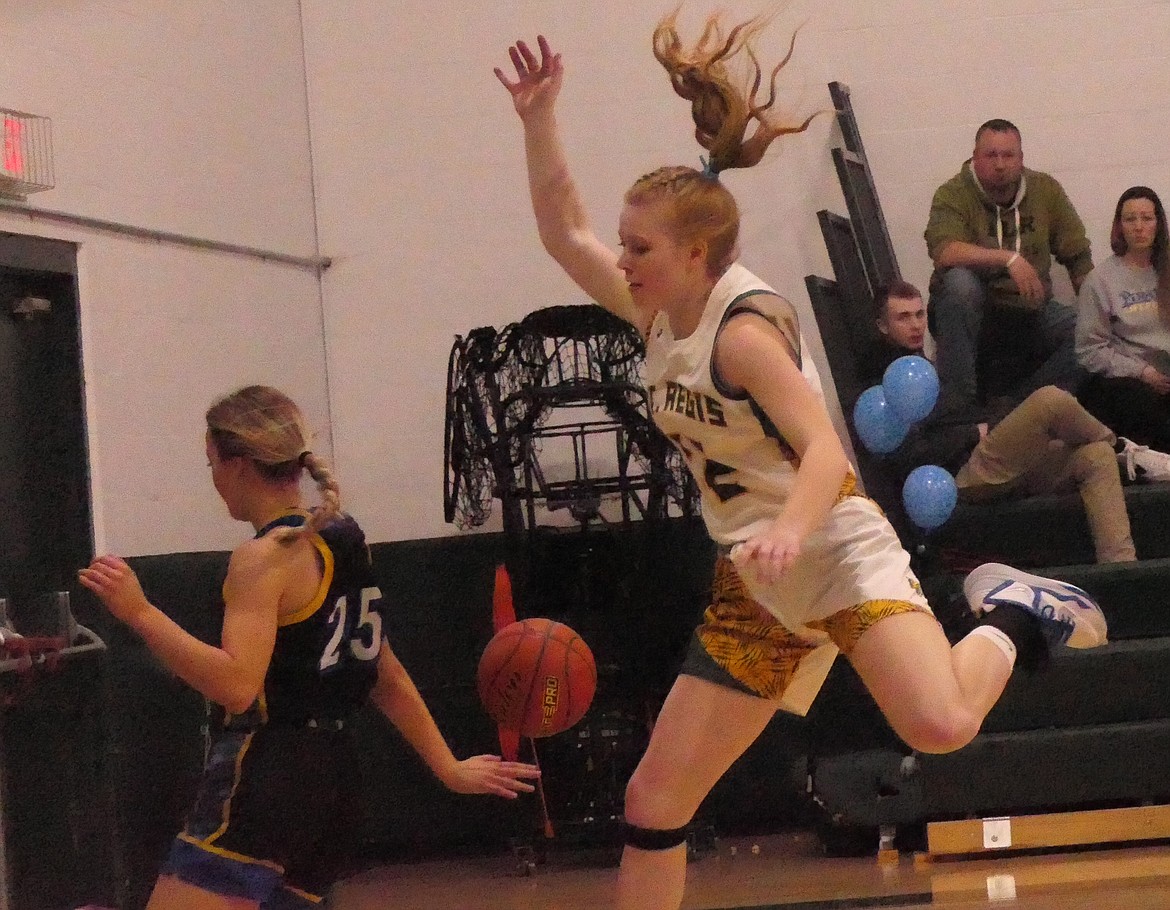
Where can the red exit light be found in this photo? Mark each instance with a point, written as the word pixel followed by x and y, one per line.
pixel 13 159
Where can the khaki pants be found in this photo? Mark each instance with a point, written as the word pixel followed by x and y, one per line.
pixel 1050 444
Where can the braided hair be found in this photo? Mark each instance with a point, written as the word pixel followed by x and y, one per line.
pixel 264 425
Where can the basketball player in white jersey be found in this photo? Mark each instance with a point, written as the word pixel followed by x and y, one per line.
pixel 809 567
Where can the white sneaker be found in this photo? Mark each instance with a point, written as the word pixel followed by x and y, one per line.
pixel 1068 615
pixel 1142 462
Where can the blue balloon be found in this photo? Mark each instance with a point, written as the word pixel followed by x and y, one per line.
pixel 875 422
pixel 911 387
pixel 929 495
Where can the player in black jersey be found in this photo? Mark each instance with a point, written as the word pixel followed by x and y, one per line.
pixel 301 649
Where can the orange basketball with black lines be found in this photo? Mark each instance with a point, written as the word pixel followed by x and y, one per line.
pixel 536 677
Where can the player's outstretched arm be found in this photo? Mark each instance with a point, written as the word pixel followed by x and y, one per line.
pixel 396 696
pixel 233 673
pixel 561 218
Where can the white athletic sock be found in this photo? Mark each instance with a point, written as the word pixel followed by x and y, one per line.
pixel 998 638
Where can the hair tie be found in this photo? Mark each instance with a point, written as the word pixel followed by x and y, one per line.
pixel 709 172
pixel 303 457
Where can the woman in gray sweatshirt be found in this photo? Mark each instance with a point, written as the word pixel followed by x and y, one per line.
pixel 1123 325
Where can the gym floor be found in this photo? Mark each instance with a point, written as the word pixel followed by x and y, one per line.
pixel 787 872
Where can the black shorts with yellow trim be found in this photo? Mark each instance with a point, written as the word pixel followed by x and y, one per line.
pixel 277 817
pixel 741 646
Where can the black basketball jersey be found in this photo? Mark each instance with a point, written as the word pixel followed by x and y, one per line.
pixel 325 660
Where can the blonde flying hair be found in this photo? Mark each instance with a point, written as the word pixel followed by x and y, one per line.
pixel 723 111
pixel 264 425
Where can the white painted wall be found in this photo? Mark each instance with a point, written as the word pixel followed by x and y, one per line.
pixel 423 201
pixel 193 117
pixel 187 117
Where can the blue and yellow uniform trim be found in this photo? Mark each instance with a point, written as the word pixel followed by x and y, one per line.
pixel 276 818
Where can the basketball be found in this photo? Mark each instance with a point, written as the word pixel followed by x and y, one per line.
pixel 536 677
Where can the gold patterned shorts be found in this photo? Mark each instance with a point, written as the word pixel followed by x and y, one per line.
pixel 741 645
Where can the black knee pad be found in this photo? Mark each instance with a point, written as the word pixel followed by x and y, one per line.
pixel 654 838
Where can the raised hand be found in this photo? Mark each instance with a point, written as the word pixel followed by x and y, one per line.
pixel 537 84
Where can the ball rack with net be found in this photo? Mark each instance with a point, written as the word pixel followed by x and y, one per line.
pixel 564 379
pixel 548 415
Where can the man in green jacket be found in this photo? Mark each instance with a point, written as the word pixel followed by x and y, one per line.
pixel 994 230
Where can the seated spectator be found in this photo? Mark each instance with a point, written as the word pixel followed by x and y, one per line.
pixel 1048 444
pixel 1123 325
pixel 993 231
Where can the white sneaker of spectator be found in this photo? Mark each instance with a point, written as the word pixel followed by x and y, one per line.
pixel 1142 462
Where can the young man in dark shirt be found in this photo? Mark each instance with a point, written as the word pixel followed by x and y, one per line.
pixel 1047 444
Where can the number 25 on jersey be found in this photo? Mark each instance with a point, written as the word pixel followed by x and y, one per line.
pixel 356 631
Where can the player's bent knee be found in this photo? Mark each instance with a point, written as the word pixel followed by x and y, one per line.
pixel 940 732
pixel 655 839
pixel 655 804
